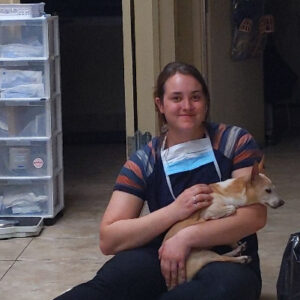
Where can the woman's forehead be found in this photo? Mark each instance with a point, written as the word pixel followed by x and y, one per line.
pixel 182 82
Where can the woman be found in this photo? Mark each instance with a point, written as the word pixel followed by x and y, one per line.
pixel 171 173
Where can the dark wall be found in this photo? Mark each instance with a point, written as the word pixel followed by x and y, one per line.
pixel 80 8
pixel 91 47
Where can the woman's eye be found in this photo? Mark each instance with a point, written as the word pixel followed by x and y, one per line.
pixel 196 97
pixel 176 99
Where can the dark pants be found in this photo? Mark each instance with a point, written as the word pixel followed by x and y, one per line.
pixel 135 275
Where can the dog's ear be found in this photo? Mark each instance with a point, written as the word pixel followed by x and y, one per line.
pixel 255 171
pixel 261 165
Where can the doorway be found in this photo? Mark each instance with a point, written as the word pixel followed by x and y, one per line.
pixel 282 71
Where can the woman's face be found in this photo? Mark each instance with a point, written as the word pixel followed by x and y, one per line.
pixel 184 104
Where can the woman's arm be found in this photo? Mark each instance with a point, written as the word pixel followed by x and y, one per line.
pixel 224 231
pixel 121 227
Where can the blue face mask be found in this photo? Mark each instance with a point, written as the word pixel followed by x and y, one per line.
pixel 186 157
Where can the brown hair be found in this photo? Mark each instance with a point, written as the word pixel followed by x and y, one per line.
pixel 168 71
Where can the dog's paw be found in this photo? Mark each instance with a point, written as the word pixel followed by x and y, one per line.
pixel 245 259
pixel 229 210
pixel 242 247
pixel 238 249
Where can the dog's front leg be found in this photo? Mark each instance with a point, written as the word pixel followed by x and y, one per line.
pixel 217 211
pixel 237 249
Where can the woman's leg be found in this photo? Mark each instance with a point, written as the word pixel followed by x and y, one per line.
pixel 219 281
pixel 130 275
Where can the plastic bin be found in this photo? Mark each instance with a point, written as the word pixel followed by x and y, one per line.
pixel 28 158
pixel 29 79
pixel 23 119
pixel 30 118
pixel 25 197
pixel 31 197
pixel 29 39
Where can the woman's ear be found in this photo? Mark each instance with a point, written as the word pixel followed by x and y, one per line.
pixel 159 105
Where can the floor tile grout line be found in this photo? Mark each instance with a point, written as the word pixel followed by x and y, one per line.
pixel 16 259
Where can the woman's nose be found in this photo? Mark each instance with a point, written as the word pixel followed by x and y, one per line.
pixel 186 104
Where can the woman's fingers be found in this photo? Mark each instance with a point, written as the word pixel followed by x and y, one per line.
pixel 193 198
pixel 166 271
pixel 201 189
pixel 201 200
pixel 181 273
pixel 201 195
pixel 174 274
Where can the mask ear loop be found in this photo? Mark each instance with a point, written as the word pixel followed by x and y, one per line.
pixel 164 161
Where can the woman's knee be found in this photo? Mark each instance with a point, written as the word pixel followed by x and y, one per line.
pixel 132 273
pixel 230 281
pixel 219 281
pixel 132 261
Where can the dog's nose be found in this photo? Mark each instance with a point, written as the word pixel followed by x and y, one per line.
pixel 278 203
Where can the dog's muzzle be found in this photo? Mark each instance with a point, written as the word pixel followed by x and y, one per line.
pixel 276 204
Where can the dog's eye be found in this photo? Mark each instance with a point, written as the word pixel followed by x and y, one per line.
pixel 269 191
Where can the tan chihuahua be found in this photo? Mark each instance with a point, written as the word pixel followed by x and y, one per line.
pixel 227 196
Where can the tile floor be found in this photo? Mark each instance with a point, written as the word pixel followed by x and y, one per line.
pixel 67 253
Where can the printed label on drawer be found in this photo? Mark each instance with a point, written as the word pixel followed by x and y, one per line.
pixel 38 163
pixel 18 158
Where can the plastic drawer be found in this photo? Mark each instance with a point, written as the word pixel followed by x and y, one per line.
pixel 27 158
pixel 29 39
pixel 29 79
pixel 31 197
pixel 24 119
pixel 29 118
pixel 25 197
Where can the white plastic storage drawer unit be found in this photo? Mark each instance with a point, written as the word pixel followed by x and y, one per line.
pixel 29 79
pixel 30 158
pixel 29 118
pixel 31 161
pixel 29 38
pixel 31 197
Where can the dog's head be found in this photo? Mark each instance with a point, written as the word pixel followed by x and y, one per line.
pixel 263 187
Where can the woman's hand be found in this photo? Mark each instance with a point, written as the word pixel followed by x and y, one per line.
pixel 193 198
pixel 173 254
pixel 174 251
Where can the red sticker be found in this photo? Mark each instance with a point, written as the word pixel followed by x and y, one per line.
pixel 38 163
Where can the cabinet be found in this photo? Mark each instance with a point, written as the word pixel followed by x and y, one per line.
pixel 31 162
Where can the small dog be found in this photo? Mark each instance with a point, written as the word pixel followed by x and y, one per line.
pixel 227 197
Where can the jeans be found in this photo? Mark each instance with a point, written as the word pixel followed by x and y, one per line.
pixel 135 275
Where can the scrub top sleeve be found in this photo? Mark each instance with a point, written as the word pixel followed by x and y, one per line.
pixel 133 176
pixel 246 151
